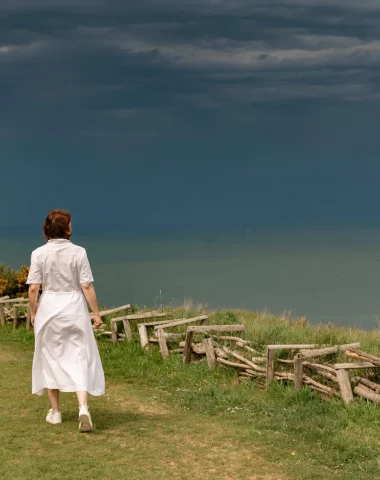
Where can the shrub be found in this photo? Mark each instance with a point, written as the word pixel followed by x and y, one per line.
pixel 13 282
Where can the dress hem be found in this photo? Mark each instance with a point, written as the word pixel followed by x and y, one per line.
pixel 94 393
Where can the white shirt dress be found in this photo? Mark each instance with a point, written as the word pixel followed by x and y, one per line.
pixel 66 355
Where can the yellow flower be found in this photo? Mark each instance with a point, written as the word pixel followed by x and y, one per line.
pixel 293 454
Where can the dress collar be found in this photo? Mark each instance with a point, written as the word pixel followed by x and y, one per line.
pixel 58 240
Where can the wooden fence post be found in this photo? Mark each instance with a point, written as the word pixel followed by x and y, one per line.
pixel 210 353
pixel 271 353
pixel 298 372
pixel 2 315
pixel 128 330
pixel 345 386
pixel 144 339
pixel 114 331
pixel 188 344
pixel 15 315
pixel 162 343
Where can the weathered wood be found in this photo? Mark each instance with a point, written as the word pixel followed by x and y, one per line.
pixel 319 366
pixel 291 346
pixel 353 365
pixel 247 347
pixel 298 372
pixel 14 300
pixel 323 373
pixel 163 345
pixel 368 383
pixel 310 381
pixel 208 344
pixel 28 318
pixel 219 353
pixel 345 386
pixel 355 355
pixel 2 315
pixel 144 340
pixel 15 317
pixel 231 364
pixel 286 361
pixel 6 297
pixel 114 331
pixel 112 310
pixel 144 315
pixel 367 356
pixel 322 370
pixel 367 393
pixel 254 373
pixel 188 344
pixel 183 321
pixel 153 324
pixel 172 336
pixel 284 375
pixel 215 328
pixel 271 355
pixel 244 360
pixel 328 350
pixel 231 338
pixel 258 359
pixel 127 329
pixel 198 348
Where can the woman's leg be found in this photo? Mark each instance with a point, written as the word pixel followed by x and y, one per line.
pixel 54 400
pixel 82 398
pixel 85 422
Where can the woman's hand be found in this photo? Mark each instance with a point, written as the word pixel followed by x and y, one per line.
pixel 97 321
pixel 32 318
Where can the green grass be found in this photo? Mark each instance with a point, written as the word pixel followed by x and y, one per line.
pixel 298 436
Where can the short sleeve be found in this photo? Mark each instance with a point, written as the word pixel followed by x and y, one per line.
pixel 85 274
pixel 35 272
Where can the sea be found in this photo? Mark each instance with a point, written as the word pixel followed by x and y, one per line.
pixel 325 275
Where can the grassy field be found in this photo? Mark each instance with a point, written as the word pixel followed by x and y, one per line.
pixel 161 419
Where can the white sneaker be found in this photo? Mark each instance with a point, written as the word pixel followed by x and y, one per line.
pixel 85 423
pixel 54 418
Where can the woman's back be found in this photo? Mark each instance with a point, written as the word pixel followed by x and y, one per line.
pixel 60 266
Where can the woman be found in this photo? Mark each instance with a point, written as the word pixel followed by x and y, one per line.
pixel 66 357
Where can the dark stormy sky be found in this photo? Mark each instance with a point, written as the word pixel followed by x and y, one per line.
pixel 168 113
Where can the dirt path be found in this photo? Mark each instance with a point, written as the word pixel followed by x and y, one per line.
pixel 136 437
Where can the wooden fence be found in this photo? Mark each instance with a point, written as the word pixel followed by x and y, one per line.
pixel 194 338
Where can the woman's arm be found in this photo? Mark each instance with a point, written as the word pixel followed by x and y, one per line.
pixel 89 293
pixel 34 288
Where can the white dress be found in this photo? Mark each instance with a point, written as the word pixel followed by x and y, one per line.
pixel 66 355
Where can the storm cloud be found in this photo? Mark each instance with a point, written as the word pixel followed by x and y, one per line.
pixel 134 75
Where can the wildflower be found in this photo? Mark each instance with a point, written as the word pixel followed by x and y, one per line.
pixel 293 454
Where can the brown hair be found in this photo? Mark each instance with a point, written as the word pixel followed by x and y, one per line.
pixel 57 225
